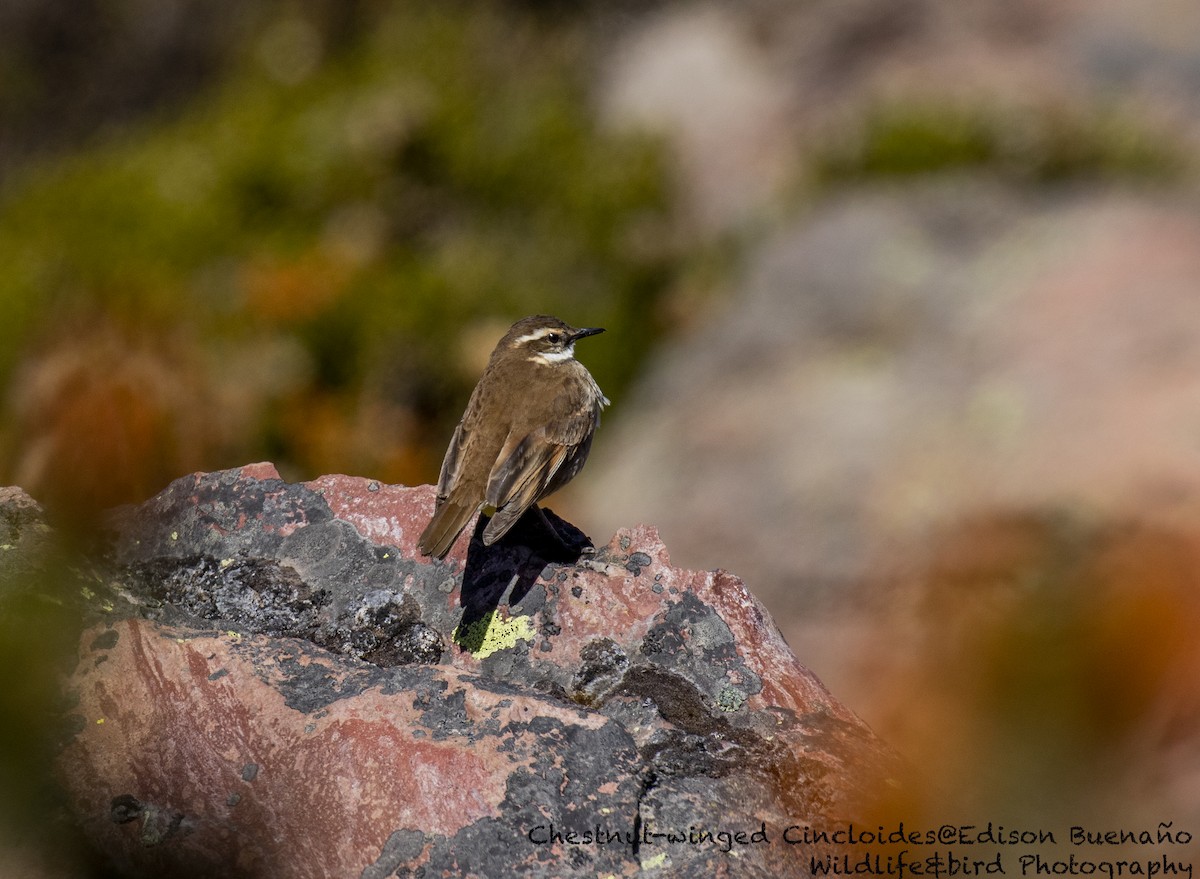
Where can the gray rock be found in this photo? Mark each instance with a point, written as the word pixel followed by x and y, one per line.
pixel 257 698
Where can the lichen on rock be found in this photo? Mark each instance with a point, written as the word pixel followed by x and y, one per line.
pixel 396 724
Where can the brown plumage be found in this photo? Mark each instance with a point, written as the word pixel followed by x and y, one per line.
pixel 526 432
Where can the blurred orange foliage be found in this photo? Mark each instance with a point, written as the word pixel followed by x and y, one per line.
pixel 108 414
pixel 1051 665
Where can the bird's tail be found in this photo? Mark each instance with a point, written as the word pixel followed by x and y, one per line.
pixel 443 529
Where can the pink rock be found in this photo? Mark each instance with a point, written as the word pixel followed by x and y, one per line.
pixel 238 728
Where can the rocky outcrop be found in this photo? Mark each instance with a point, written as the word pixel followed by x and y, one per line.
pixel 276 684
pixel 23 534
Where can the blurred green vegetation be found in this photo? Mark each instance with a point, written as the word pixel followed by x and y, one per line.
pixel 1034 144
pixel 40 624
pixel 309 263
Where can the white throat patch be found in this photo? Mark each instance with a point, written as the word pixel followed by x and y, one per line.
pixel 555 356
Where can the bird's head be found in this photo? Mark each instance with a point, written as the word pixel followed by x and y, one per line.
pixel 544 339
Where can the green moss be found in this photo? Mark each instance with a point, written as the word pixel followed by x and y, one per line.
pixel 442 170
pixel 1039 144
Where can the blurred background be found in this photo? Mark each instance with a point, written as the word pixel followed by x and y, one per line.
pixel 903 303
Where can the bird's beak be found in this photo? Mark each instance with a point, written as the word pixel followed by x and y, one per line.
pixel 586 331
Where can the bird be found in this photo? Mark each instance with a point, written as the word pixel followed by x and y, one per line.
pixel 526 432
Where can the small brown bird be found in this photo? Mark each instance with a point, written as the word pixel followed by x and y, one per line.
pixel 527 431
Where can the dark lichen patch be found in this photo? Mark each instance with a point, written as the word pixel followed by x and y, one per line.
pixel 413 643
pixel 331 600
pixel 825 733
pixel 106 640
pixel 323 582
pixel 561 771
pixel 385 628
pixel 447 716
pixel 536 602
pixel 637 561
pixel 677 753
pixel 704 743
pixel 678 700
pixel 402 847
pixel 482 848
pixel 823 725
pixel 602 664
pixel 157 823
pixel 509 664
pixel 334 552
pixel 259 594
pixel 309 685
pixel 214 514
pixel 692 640
pixel 553 689
pixel 124 808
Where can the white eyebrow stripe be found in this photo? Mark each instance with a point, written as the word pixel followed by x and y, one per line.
pixel 536 334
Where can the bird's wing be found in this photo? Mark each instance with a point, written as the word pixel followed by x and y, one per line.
pixel 449 516
pixel 527 465
pixel 519 476
pixel 449 473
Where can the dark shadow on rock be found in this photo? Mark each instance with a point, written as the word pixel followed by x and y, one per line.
pixel 537 539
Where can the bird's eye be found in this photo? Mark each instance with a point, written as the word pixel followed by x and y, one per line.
pixel 554 338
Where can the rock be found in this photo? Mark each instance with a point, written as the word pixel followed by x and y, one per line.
pixel 285 688
pixel 23 536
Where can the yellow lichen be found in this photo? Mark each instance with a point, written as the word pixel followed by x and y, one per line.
pixel 655 862
pixel 491 633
